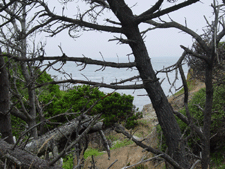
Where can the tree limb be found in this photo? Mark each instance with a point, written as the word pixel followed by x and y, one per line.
pixel 144 17
pixel 152 9
pixel 22 158
pixel 96 84
pixel 78 22
pixel 74 59
pixel 194 54
pixel 90 124
pixel 120 129
pixel 174 24
pixel 105 143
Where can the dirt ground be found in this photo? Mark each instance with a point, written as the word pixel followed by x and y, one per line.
pixel 177 101
pixel 132 154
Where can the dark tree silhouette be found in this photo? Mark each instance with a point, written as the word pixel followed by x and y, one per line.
pixel 127 24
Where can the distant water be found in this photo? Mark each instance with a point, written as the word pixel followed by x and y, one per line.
pixel 110 75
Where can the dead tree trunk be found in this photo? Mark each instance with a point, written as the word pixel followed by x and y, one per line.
pixel 5 120
pixel 160 103
pixel 28 73
pixel 60 135
pixel 207 114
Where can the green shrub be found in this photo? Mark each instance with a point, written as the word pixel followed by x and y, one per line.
pixel 123 143
pixel 218 157
pixel 114 107
pixel 218 108
pixel 68 162
pixel 18 126
pixel 140 166
pixel 90 152
pixel 218 121
pixel 112 137
pixel 222 166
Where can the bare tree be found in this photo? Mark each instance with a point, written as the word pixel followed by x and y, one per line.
pixel 5 119
pixel 14 40
pixel 15 34
pixel 209 56
pixel 12 37
pixel 127 25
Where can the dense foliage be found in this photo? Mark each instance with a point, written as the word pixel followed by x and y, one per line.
pixel 196 107
pixel 114 107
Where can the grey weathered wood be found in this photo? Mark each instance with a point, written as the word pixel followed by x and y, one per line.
pixel 22 158
pixel 59 134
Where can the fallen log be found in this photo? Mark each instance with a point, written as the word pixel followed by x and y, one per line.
pixel 22 159
pixel 59 135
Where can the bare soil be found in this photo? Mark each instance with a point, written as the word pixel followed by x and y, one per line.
pixel 177 100
pixel 132 154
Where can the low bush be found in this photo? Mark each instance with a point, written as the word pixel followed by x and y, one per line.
pixel 196 105
pixel 90 152
pixel 120 144
pixel 114 107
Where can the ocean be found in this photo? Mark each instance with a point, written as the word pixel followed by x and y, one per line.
pixel 109 75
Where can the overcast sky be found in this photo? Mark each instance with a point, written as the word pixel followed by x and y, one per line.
pixel 161 42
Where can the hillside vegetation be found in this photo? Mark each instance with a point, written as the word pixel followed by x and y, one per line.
pixel 131 154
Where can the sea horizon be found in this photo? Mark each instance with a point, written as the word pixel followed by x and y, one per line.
pixel 110 75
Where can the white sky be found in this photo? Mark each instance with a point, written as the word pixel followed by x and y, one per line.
pixel 161 42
